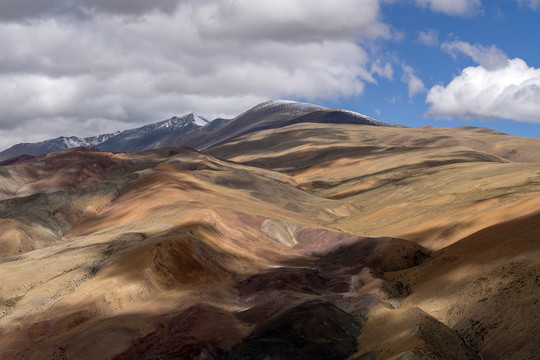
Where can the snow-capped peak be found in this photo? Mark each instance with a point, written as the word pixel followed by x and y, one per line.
pixel 279 102
pixel 69 142
pixel 293 108
pixel 358 115
pixel 287 105
pixel 199 120
pixel 178 122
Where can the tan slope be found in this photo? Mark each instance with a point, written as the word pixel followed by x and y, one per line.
pixel 485 286
pixel 268 145
pixel 184 228
pixel 424 184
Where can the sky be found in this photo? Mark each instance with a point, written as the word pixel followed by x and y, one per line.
pixel 89 67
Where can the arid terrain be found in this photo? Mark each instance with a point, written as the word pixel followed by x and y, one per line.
pixel 301 238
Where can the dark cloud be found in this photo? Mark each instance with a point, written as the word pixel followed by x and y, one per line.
pixel 131 7
pixel 17 10
pixel 22 9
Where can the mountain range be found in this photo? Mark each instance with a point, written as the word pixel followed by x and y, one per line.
pixel 196 131
pixel 289 232
pixel 60 143
pixel 145 137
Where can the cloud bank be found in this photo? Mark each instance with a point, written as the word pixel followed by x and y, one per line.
pixel 106 65
pixel 497 88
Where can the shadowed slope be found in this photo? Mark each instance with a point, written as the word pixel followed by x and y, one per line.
pixel 489 283
pixel 310 330
pixel 48 173
pixel 44 197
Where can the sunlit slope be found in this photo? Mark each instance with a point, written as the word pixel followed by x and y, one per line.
pixel 486 287
pixel 264 145
pixel 424 184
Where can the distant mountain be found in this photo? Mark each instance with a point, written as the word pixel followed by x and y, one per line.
pixel 153 136
pixel 198 132
pixel 146 137
pixel 60 143
pixel 268 115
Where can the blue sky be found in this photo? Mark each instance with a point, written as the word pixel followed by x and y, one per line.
pixel 89 67
pixel 505 24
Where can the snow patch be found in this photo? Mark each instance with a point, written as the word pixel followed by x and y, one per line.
pixel 68 142
pixel 73 141
pixel 358 115
pixel 279 102
pixel 199 120
pixel 292 107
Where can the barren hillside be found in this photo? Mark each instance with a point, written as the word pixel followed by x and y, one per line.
pixel 310 240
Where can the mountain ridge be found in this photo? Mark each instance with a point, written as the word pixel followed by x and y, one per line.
pixel 271 115
pixel 198 132
pixel 141 138
pixel 153 135
pixel 51 145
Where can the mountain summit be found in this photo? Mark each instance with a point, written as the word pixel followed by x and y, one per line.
pixel 271 114
pixel 153 136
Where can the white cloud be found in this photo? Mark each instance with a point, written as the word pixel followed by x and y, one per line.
pixel 430 37
pixel 511 92
pixel 533 4
pixel 489 57
pixel 497 88
pixel 452 7
pixel 414 84
pixel 385 71
pixel 106 65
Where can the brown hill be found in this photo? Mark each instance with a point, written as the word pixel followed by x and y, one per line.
pixel 311 240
